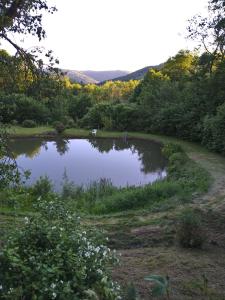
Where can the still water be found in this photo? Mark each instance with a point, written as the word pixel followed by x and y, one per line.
pixel 130 162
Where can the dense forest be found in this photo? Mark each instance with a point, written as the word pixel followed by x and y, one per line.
pixel 184 99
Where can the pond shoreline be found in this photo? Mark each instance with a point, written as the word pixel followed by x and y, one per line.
pixel 145 238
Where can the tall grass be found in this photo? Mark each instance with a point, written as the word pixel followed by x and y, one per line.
pixel 185 179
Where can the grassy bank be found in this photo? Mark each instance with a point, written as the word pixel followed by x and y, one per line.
pixel 145 235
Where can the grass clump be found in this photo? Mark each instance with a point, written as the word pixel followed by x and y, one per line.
pixel 190 233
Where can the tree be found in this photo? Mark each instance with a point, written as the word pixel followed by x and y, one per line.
pixel 9 172
pixel 180 66
pixel 24 17
pixel 210 31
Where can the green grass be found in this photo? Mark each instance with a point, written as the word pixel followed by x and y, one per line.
pixel 185 180
pixel 17 131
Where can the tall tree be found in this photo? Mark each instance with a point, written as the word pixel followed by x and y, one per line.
pixel 210 31
pixel 24 17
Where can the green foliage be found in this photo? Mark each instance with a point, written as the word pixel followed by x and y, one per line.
pixel 172 148
pixel 9 172
pixel 214 129
pixel 29 124
pixel 131 292
pixel 54 257
pixel 181 66
pixel 79 106
pixel 69 122
pixel 190 233
pixel 59 127
pixel 42 187
pixel 161 285
pixel 20 108
pixel 97 115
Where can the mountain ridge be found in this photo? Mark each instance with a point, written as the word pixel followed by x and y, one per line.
pixel 100 77
pixel 139 74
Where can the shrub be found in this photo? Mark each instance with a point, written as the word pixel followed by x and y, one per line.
pixel 42 187
pixel 161 285
pixel 59 127
pixel 53 257
pixel 14 122
pixel 69 122
pixel 213 131
pixel 29 123
pixel 190 232
pixel 79 106
pixel 131 292
pixel 19 107
pixel 171 148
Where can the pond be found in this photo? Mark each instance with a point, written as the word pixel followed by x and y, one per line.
pixel 123 162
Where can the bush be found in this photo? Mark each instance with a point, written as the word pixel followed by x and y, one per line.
pixel 59 127
pixel 29 123
pixel 190 232
pixel 19 107
pixel 14 122
pixel 171 148
pixel 42 187
pixel 53 257
pixel 213 131
pixel 69 122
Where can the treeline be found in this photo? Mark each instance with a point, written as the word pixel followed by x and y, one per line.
pixel 31 100
pixel 185 99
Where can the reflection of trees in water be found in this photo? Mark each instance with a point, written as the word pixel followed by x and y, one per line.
pixel 32 147
pixel 27 147
pixel 149 153
pixel 62 146
pixel 103 145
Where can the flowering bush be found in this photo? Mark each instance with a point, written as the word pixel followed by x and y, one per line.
pixel 55 258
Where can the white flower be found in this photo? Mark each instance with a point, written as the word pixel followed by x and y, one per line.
pixel 26 220
pixel 1 287
pixel 99 271
pixel 54 295
pixel 53 285
pixel 97 249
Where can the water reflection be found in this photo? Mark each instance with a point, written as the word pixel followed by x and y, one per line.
pixel 124 161
pixel 62 146
pixel 149 153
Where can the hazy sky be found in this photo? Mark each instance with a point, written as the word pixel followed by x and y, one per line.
pixel 117 34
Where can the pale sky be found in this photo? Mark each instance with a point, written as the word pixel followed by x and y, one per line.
pixel 117 34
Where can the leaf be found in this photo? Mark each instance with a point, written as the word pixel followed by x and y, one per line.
pixel 161 284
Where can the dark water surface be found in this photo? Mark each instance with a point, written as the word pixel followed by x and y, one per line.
pixel 131 162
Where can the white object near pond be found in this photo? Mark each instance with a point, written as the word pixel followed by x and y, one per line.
pixel 94 132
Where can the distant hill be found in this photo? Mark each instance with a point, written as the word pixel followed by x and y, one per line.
pixel 99 77
pixel 89 76
pixel 76 76
pixel 105 75
pixel 139 74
